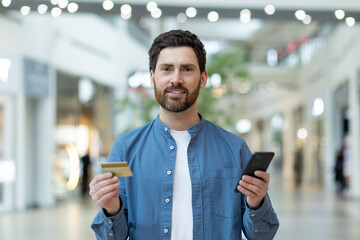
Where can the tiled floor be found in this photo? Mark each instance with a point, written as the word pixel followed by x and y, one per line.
pixel 305 213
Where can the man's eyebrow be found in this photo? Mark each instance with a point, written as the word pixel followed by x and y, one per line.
pixel 188 65
pixel 166 65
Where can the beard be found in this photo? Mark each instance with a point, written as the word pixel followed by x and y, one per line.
pixel 175 104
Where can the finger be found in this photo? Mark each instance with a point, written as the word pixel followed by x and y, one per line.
pixel 263 175
pixel 98 194
pixel 256 189
pixel 247 192
pixel 105 198
pixel 100 178
pixel 254 181
pixel 103 183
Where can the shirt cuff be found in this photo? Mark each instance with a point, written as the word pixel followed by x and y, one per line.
pixel 261 211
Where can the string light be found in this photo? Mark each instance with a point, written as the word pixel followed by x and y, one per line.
pixel 156 12
pixel 42 8
pixel 339 14
pixel 350 21
pixel 126 11
pixel 269 9
pixel 72 7
pixel 6 3
pixel 25 10
pixel 63 3
pixel 191 12
pixel 245 16
pixel 56 12
pixel 213 16
pixel 151 6
pixel 300 14
pixel 108 5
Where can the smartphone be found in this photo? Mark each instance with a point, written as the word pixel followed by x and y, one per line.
pixel 258 161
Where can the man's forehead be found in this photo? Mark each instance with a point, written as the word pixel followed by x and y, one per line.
pixel 177 54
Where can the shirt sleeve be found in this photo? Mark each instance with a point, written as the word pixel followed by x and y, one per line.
pixel 261 223
pixel 114 227
pixel 110 228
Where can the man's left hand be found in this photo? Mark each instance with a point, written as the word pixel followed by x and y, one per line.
pixel 254 188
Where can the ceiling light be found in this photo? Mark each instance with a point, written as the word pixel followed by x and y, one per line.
pixel 350 21
pixel 126 9
pixel 126 15
pixel 156 13
pixel 269 9
pixel 6 3
pixel 300 14
pixel 339 14
pixel 144 23
pixel 191 12
pixel 245 16
pixel 302 133
pixel 42 8
pixel 72 7
pixel 108 5
pixel 213 16
pixel 151 6
pixel 56 12
pixel 307 19
pixel 25 10
pixel 243 126
pixel 54 2
pixel 181 18
pixel 318 107
pixel 63 3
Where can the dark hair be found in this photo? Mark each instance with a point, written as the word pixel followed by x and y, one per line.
pixel 177 38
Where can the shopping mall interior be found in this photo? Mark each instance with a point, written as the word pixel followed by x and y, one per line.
pixel 74 75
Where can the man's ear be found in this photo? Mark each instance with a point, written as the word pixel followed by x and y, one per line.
pixel 203 79
pixel 152 78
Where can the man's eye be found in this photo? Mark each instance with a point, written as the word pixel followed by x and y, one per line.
pixel 188 69
pixel 166 69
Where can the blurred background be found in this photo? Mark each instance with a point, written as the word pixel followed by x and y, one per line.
pixel 284 75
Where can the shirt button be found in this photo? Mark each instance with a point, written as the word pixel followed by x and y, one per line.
pixel 167 200
pixel 110 234
pixel 166 230
pixel 166 129
pixel 168 172
pixel 109 221
pixel 256 230
pixel 252 215
pixel 172 147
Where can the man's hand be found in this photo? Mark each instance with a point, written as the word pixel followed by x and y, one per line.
pixel 104 191
pixel 255 189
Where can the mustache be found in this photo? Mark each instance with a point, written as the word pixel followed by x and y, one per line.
pixel 174 88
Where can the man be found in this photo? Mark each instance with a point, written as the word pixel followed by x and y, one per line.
pixel 185 168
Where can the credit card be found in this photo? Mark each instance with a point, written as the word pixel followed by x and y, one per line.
pixel 119 169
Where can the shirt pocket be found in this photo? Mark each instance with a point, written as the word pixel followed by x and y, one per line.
pixel 224 201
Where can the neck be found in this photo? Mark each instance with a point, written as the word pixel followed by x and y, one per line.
pixel 180 121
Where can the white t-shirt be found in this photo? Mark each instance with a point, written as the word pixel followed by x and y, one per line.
pixel 182 217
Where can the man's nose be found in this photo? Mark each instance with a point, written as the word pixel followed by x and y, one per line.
pixel 176 78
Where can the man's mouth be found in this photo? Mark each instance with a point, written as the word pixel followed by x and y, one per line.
pixel 176 92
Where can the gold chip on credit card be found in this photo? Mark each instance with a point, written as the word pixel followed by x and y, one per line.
pixel 119 169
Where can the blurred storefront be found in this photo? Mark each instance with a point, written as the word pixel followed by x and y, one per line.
pixel 84 126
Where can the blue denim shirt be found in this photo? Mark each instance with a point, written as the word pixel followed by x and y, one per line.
pixel 216 161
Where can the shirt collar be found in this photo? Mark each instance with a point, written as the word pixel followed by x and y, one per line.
pixel 193 130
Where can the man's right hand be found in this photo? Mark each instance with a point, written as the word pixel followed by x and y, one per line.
pixel 104 191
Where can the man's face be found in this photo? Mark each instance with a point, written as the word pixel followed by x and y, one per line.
pixel 177 79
